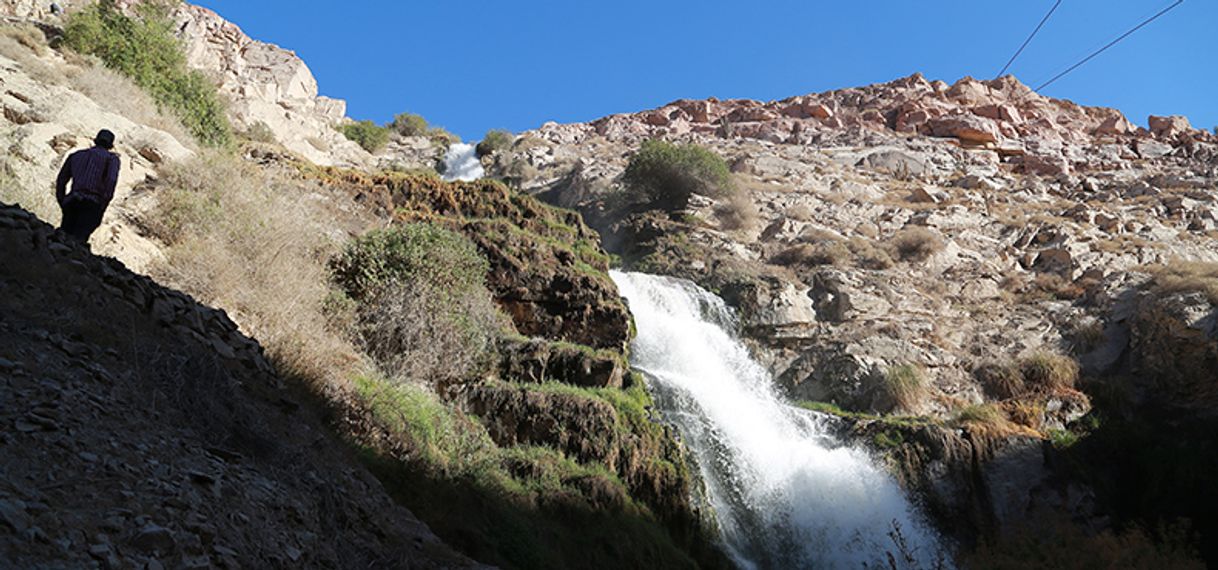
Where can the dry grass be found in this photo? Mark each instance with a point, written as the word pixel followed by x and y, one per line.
pixel 1000 381
pixel 419 334
pixel 28 36
pixel 868 254
pixel 118 94
pixel 1028 414
pixel 1049 372
pixel 905 386
pixel 26 45
pixel 985 416
pixel 915 243
pixel 799 212
pixel 813 254
pixel 1180 276
pixel 238 240
pixel 737 212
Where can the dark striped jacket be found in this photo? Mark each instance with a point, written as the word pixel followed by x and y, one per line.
pixel 93 172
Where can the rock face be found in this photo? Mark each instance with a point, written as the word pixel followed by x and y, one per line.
pixel 143 430
pixel 931 230
pixel 267 84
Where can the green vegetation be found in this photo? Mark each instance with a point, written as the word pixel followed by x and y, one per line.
pixel 1062 438
pixel 146 50
pixel 409 125
pixel 409 252
pixel 987 415
pixel 523 506
pixel 494 141
pixel 369 135
pixel 423 310
pixel 664 175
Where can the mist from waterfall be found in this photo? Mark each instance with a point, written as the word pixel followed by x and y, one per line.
pixel 785 493
pixel 461 163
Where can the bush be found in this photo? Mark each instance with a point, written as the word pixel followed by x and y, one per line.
pixel 915 244
pixel 413 252
pixel 738 212
pixel 424 313
pixel 409 125
pixel 1051 372
pixel 1000 381
pixel 823 253
pixel 494 141
pixel 904 386
pixel 146 50
pixel 369 135
pixel 665 175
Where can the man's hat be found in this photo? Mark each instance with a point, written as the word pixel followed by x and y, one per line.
pixel 104 139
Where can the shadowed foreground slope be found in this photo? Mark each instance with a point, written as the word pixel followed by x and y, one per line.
pixel 140 425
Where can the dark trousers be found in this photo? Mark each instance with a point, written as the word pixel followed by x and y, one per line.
pixel 81 217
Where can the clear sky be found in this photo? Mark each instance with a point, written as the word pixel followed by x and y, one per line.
pixel 480 64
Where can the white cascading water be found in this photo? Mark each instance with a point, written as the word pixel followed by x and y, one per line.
pixel 786 495
pixel 461 163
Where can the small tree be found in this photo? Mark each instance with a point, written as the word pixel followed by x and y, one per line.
pixel 409 125
pixel 367 134
pixel 494 141
pixel 665 175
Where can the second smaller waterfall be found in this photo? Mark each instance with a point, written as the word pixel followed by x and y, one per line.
pixel 461 163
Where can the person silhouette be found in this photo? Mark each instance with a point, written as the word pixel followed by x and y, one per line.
pixel 94 174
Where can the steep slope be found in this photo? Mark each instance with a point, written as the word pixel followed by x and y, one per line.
pixel 142 427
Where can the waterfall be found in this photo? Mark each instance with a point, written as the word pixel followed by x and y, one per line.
pixel 786 495
pixel 461 163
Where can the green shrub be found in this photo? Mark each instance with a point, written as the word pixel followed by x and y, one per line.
pixel 369 135
pixel 412 252
pixel 146 50
pixel 409 125
pixel 665 175
pixel 424 312
pixel 494 141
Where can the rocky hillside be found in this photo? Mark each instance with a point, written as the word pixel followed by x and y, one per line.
pixel 142 429
pixel 944 251
pixel 545 452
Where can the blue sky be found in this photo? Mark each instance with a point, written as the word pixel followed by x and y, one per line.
pixel 480 64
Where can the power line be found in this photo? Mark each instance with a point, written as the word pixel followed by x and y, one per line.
pixel 1029 40
pixel 1110 44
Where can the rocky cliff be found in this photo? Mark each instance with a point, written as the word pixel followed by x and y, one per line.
pixel 969 239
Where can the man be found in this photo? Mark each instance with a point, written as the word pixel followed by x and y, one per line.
pixel 94 173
